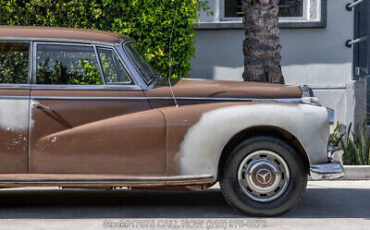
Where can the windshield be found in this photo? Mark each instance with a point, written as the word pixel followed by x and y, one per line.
pixel 141 63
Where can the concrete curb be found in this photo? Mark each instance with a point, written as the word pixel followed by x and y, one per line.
pixel 352 172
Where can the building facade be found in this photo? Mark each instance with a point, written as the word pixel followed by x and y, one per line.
pixel 317 50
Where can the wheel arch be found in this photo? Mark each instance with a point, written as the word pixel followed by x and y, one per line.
pixel 272 131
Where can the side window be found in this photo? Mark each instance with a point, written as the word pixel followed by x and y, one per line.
pixel 67 65
pixel 14 63
pixel 113 70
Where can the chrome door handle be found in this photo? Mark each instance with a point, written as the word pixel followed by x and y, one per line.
pixel 37 104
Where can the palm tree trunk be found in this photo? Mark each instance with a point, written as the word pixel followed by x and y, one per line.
pixel 261 46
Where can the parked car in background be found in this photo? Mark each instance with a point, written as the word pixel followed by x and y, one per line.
pixel 82 108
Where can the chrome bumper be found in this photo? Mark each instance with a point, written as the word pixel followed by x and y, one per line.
pixel 331 170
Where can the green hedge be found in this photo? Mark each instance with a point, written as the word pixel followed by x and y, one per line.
pixel 149 22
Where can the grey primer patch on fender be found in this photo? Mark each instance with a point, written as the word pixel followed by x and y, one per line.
pixel 14 114
pixel 204 142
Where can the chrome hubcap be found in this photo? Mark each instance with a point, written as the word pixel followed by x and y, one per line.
pixel 263 176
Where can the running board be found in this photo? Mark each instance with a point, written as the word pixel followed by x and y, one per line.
pixel 22 180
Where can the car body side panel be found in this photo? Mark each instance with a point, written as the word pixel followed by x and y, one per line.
pixel 130 144
pixel 88 131
pixel 14 124
pixel 197 134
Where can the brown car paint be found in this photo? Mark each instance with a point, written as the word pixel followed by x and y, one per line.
pixel 125 138
pixel 208 89
pixel 226 89
pixel 60 34
pixel 96 135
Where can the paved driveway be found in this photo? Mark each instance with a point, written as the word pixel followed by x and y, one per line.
pixel 326 205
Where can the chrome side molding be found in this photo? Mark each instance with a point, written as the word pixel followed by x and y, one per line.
pixel 88 178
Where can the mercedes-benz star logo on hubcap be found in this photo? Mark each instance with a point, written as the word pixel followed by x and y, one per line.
pixel 263 176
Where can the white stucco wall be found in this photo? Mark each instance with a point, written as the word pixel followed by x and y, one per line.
pixel 316 57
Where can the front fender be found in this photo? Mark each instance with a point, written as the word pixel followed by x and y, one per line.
pixel 204 140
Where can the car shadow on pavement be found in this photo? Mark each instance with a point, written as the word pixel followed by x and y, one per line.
pixel 73 204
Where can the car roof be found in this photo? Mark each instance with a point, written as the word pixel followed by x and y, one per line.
pixel 59 34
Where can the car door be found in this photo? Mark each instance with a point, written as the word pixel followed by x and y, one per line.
pixel 14 106
pixel 90 116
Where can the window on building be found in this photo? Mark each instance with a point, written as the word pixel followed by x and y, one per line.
pixel 14 63
pixel 287 8
pixel 67 65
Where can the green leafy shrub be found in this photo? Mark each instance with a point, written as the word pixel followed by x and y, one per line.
pixel 14 63
pixel 356 147
pixel 149 22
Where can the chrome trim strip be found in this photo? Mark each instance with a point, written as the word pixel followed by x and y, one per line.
pixel 15 97
pixel 86 98
pixel 15 86
pixel 297 100
pixel 103 179
pixel 71 87
pixel 230 99
pixel 87 87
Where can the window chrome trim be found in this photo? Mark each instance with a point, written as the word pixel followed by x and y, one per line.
pixel 116 47
pixel 81 87
pixel 34 62
pixel 116 53
pixel 29 42
pixel 30 62
pixel 99 65
pixel 60 44
pixel 130 65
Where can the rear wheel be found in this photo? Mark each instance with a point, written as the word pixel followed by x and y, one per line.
pixel 263 176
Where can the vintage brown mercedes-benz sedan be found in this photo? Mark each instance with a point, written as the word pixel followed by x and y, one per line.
pixel 82 108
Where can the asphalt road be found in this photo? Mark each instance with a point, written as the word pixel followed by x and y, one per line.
pixel 326 205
